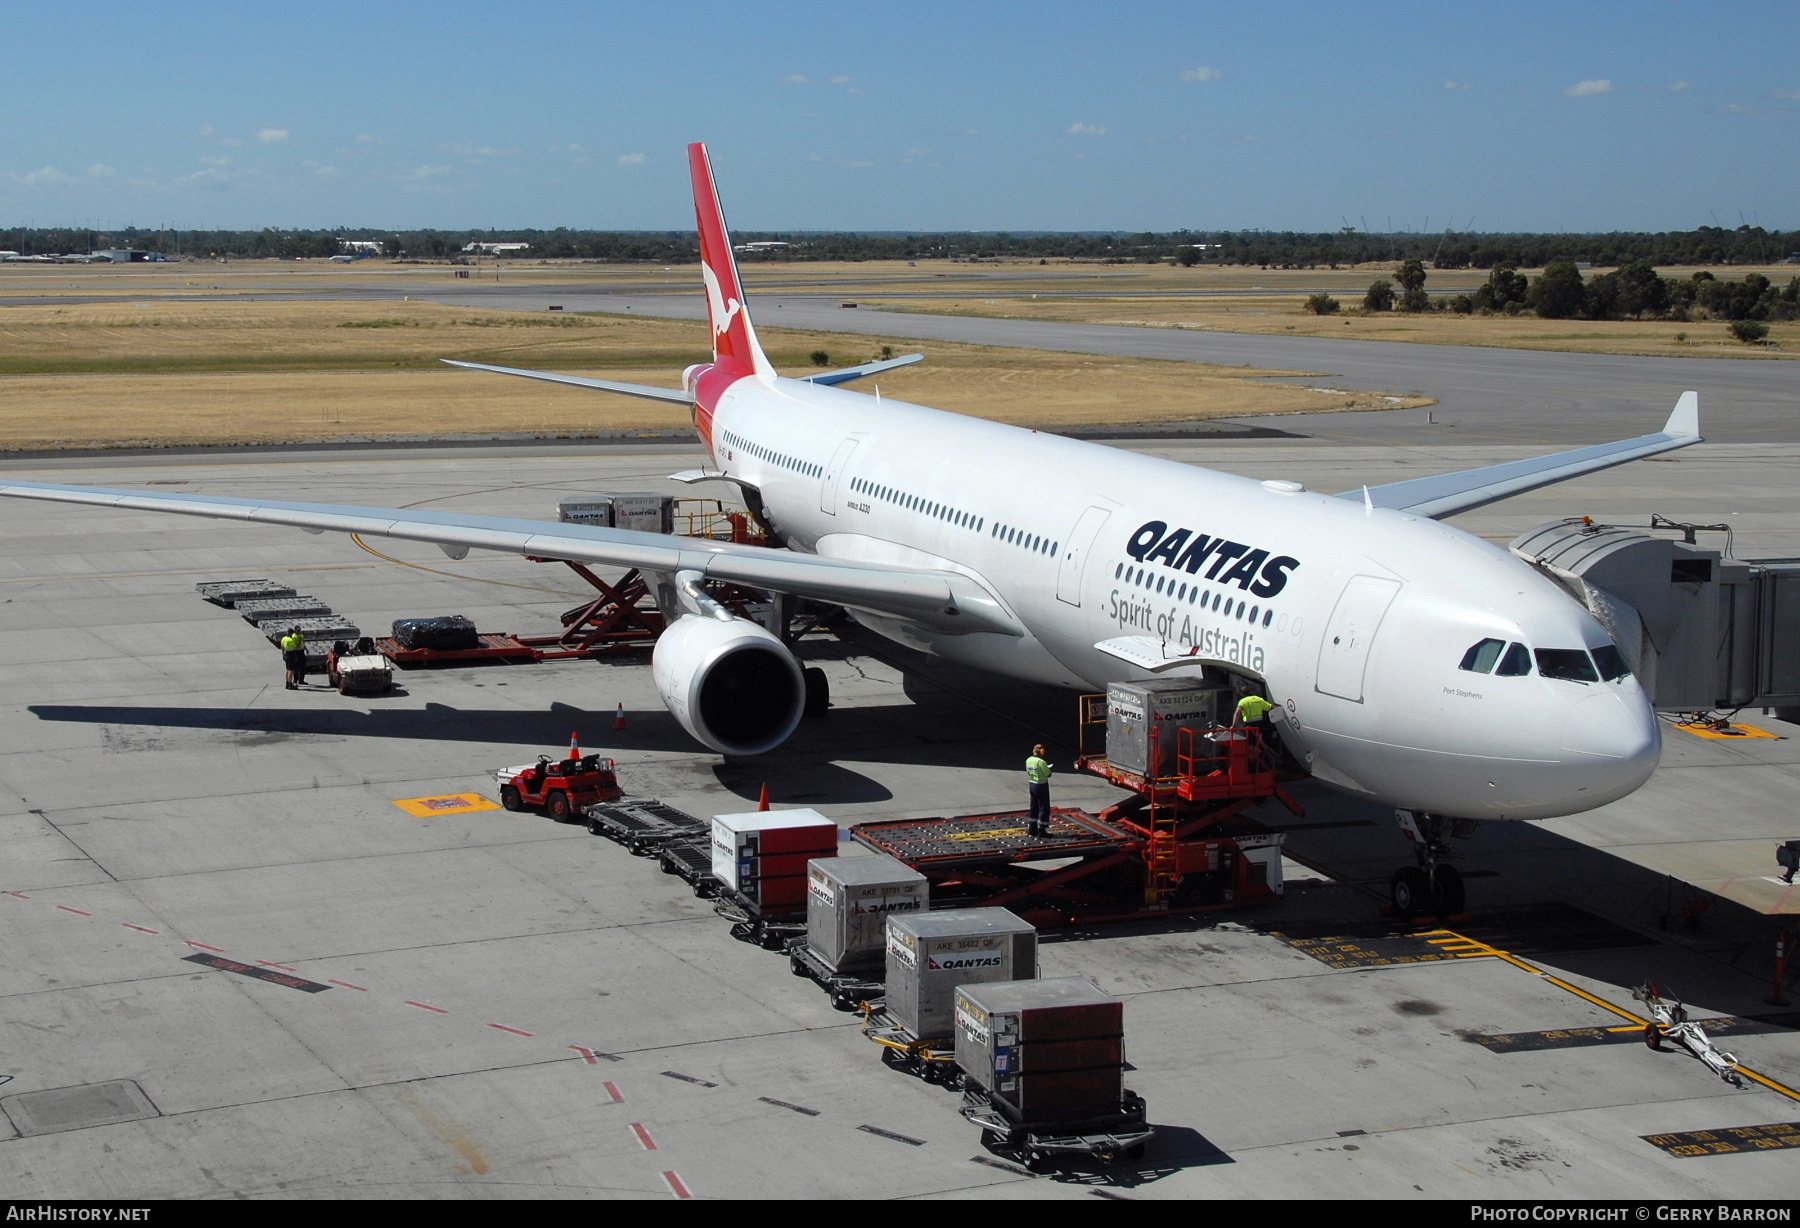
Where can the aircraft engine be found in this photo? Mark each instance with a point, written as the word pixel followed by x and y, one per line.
pixel 730 683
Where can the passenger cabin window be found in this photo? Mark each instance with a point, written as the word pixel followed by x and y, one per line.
pixel 1480 659
pixel 1516 663
pixel 1612 664
pixel 1568 664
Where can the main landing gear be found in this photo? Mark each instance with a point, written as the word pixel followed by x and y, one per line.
pixel 1433 887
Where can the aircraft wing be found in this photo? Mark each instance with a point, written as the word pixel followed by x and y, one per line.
pixel 1450 493
pixel 945 601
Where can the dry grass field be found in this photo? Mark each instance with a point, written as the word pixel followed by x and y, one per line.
pixel 165 371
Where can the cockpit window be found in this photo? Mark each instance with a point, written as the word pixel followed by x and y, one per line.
pixel 1516 663
pixel 1569 664
pixel 1480 659
pixel 1612 665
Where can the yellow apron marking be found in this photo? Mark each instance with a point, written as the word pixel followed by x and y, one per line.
pixel 447 803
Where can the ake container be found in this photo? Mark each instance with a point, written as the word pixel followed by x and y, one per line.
pixel 762 855
pixel 930 954
pixel 848 902
pixel 1045 1051
pixel 1142 720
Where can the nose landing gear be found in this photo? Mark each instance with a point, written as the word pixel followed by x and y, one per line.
pixel 1433 887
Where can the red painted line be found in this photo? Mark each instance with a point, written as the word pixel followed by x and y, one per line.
pixel 514 1031
pixel 587 1055
pixel 677 1186
pixel 76 911
pixel 204 947
pixel 424 1006
pixel 18 895
pixel 643 1136
pixel 612 1089
pixel 271 964
pixel 348 985
pixel 142 929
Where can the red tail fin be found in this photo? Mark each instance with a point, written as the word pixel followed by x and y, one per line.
pixel 734 339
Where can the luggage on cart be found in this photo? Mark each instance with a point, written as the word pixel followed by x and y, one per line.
pixel 449 633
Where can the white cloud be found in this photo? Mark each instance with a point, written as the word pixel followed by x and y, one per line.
pixel 363 138
pixel 795 78
pixel 1456 85
pixel 1087 129
pixel 1790 95
pixel 1676 87
pixel 100 170
pixel 207 130
pixel 840 79
pixel 856 93
pixel 1588 89
pixel 632 159
pixel 44 177
pixel 424 174
pixel 469 150
pixel 1203 73
pixel 273 136
pixel 973 132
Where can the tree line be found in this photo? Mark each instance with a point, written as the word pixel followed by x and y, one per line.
pixel 1708 245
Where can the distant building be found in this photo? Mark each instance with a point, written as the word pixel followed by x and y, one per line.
pixel 120 255
pixel 363 247
pixel 496 249
pixel 769 245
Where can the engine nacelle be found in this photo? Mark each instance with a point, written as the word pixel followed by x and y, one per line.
pixel 731 683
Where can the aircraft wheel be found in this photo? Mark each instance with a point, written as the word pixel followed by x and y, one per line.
pixel 1447 893
pixel 818 691
pixel 1410 891
pixel 509 798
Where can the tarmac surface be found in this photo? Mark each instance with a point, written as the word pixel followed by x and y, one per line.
pixel 233 967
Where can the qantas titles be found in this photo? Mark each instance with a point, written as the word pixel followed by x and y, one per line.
pixel 1250 569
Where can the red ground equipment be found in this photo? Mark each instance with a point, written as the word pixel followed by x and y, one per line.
pixel 560 788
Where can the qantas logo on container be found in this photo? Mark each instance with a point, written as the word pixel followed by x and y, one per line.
pixel 1252 570
pixel 966 961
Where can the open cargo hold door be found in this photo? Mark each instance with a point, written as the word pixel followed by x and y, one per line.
pixel 1344 654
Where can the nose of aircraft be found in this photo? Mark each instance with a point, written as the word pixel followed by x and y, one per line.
pixel 1611 742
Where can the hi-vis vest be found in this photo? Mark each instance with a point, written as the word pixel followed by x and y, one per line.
pixel 293 641
pixel 1037 770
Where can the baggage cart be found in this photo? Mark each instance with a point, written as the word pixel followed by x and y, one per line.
pixel 849 991
pixel 690 860
pixel 932 1058
pixel 769 927
pixel 1042 1146
pixel 643 825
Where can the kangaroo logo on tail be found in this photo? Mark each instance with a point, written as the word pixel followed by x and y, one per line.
pixel 719 309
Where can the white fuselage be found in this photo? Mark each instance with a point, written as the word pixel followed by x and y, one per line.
pixel 1355 620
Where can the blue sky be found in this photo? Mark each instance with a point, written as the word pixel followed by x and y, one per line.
pixel 1047 116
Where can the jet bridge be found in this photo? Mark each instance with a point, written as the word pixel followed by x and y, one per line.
pixel 1700 628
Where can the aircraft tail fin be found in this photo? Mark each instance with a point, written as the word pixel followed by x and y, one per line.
pixel 735 347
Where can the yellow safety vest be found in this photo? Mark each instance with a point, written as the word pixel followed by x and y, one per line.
pixel 293 641
pixel 1037 770
pixel 1253 707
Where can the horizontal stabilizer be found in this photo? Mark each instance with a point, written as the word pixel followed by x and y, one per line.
pixel 868 368
pixel 677 395
pixel 1450 493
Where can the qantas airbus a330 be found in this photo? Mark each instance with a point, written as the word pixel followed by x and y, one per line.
pixel 1413 664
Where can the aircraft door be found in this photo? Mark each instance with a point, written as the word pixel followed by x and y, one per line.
pixel 828 489
pixel 1074 559
pixel 1344 655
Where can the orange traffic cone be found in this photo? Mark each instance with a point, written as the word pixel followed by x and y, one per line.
pixel 619 719
pixel 762 803
pixel 575 745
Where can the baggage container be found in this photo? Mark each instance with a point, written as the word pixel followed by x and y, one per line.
pixel 642 513
pixel 449 633
pixel 930 954
pixel 848 902
pixel 1142 720
pixel 264 608
pixel 1045 1051
pixel 762 855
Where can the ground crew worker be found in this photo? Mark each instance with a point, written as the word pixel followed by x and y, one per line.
pixel 293 656
pixel 1037 779
pixel 1252 709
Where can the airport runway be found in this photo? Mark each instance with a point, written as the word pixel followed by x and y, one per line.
pixel 1485 395
pixel 509 1008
